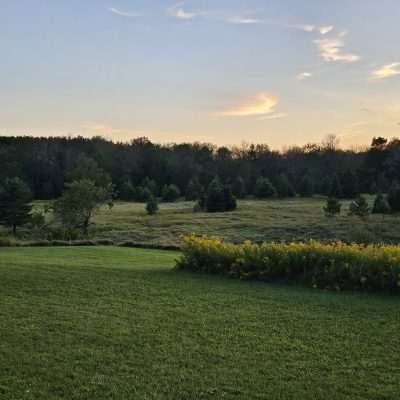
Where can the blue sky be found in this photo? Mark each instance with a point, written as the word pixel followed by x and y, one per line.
pixel 278 72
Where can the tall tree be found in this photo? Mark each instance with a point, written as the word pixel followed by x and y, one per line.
pixel 79 203
pixel 15 203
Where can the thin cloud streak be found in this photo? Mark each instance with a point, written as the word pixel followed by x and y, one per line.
pixel 123 13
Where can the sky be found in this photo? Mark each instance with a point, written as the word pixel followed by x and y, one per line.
pixel 283 73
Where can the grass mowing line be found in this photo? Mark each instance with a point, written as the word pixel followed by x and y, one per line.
pixel 87 328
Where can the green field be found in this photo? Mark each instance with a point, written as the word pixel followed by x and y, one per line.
pixel 116 323
pixel 288 219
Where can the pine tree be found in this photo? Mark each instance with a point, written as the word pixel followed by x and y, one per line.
pixel 15 207
pixel 127 191
pixel 152 205
pixel 332 207
pixel 215 197
pixel 229 199
pixel 359 207
pixel 381 206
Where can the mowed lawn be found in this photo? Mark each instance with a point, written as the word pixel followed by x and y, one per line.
pixel 118 323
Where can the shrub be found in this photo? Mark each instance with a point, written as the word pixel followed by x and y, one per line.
pixel 152 205
pixel 329 266
pixel 359 207
pixel 381 206
pixel 264 188
pixel 170 193
pixel 332 207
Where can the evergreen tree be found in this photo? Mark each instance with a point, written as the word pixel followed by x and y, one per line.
pixel 349 182
pixel 306 187
pixel 283 187
pixel 170 193
pixel 215 197
pixel 15 207
pixel 152 205
pixel 229 199
pixel 359 207
pixel 264 188
pixel 381 206
pixel 332 207
pixel 239 188
pixel 394 197
pixel 194 189
pixel 336 187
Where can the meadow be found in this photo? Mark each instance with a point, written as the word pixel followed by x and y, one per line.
pixel 298 219
pixel 120 323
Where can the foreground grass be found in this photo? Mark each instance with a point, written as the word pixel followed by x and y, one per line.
pixel 115 323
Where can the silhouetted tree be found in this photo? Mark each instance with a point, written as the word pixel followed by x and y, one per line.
pixel 15 207
pixel 359 207
pixel 381 206
pixel 394 197
pixel 306 187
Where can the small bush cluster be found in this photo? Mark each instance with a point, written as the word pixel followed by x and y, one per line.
pixel 334 266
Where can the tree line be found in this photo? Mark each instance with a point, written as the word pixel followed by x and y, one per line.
pixel 140 168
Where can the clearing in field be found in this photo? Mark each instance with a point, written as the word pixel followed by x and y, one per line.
pixel 115 323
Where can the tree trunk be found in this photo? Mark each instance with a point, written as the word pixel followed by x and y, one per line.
pixel 14 229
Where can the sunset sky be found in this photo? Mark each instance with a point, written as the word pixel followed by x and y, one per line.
pixel 278 72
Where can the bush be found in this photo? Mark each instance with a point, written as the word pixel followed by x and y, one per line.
pixel 239 188
pixel 264 188
pixel 170 193
pixel 332 207
pixel 152 205
pixel 329 266
pixel 381 206
pixel 394 197
pixel 359 207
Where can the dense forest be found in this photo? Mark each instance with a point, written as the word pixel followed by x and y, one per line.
pixel 46 164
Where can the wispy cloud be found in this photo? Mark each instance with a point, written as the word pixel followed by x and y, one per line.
pixel 260 105
pixel 331 49
pixel 386 71
pixel 244 20
pixel 124 13
pixel 177 11
pixel 304 75
pixel 323 30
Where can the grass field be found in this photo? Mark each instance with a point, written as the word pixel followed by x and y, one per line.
pixel 296 219
pixel 116 323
